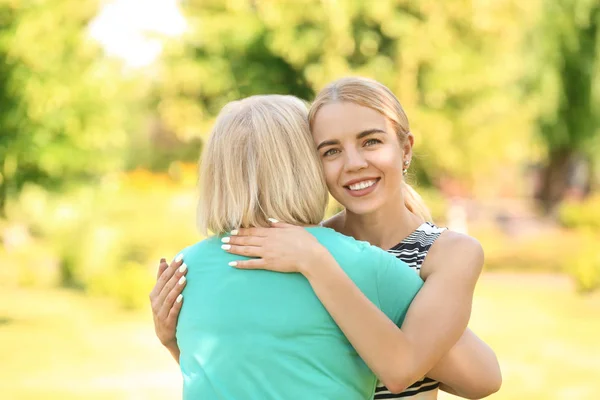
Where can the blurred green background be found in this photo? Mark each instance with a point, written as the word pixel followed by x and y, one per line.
pixel 104 106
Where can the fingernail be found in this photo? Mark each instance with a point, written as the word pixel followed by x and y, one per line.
pixel 234 232
pixel 226 246
pixel 272 220
pixel 182 280
pixel 233 263
pixel 182 268
pixel 226 239
pixel 179 258
pixel 179 298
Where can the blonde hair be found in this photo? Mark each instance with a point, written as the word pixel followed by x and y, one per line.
pixel 260 162
pixel 376 96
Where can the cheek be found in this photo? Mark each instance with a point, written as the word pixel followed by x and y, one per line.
pixel 388 160
pixel 331 172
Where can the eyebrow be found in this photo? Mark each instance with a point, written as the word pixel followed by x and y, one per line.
pixel 359 135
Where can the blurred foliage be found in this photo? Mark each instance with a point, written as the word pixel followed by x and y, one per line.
pixel 436 203
pixel 106 240
pixel 454 65
pixel 544 252
pixel 585 265
pixel 583 218
pixel 65 109
pixel 571 248
pixel 581 214
pixel 567 75
pixel 97 161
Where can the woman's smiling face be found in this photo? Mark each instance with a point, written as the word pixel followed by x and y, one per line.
pixel 361 154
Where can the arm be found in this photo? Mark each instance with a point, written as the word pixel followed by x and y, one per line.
pixel 435 320
pixel 470 369
pixel 434 323
pixel 165 305
pixel 174 351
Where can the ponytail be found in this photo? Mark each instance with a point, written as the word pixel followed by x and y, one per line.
pixel 414 202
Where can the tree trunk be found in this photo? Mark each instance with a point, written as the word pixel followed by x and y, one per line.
pixel 555 179
pixel 3 196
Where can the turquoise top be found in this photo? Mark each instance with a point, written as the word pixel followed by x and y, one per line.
pixel 254 334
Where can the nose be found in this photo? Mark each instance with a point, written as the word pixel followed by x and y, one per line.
pixel 355 161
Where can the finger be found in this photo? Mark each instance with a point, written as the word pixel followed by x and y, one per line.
pixel 174 312
pixel 248 251
pixel 177 278
pixel 244 240
pixel 174 287
pixel 257 232
pixel 170 271
pixel 163 275
pixel 256 263
pixel 162 266
pixel 277 224
pixel 171 297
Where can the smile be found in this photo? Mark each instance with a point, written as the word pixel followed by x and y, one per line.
pixel 362 185
pixel 362 188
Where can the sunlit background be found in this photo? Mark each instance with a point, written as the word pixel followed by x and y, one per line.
pixel 104 106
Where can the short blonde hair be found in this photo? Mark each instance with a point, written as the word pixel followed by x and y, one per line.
pixel 376 96
pixel 260 162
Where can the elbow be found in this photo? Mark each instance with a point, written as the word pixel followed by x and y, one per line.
pixel 488 383
pixel 401 375
pixel 489 387
pixel 397 383
pixel 396 386
pixel 493 385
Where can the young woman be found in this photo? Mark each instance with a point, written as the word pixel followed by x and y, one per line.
pixel 263 335
pixel 363 138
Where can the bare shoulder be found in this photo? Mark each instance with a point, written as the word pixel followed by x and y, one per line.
pixel 452 243
pixel 454 252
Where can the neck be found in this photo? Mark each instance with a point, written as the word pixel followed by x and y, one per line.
pixel 384 228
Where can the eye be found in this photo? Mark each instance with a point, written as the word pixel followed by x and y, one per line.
pixel 371 142
pixel 330 152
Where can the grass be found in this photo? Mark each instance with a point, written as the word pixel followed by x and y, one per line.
pixel 545 336
pixel 59 344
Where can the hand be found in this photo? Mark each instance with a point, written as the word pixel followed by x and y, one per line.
pixel 166 300
pixel 280 248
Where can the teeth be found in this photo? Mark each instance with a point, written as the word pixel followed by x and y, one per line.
pixel 362 185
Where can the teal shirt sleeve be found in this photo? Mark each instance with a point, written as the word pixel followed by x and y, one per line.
pixel 397 286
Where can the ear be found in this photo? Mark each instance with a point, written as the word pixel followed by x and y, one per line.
pixel 408 145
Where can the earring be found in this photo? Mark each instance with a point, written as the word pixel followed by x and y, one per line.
pixel 405 170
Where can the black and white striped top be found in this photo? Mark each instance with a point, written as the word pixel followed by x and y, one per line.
pixel 413 250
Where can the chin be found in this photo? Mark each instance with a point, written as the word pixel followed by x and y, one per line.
pixel 362 207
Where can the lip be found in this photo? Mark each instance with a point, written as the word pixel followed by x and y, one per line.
pixel 353 181
pixel 361 192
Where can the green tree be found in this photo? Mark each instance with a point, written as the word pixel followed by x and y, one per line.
pixel 453 65
pixel 569 78
pixel 63 117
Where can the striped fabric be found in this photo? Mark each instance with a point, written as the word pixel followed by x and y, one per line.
pixel 413 250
